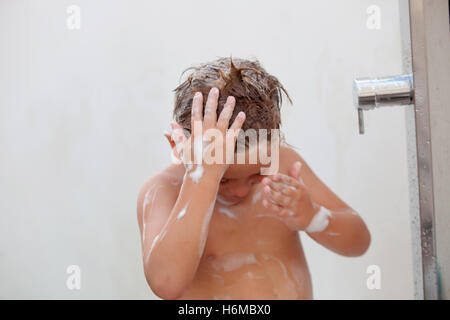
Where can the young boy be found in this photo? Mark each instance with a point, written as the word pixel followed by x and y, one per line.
pixel 223 230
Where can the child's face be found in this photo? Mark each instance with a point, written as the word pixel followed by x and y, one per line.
pixel 237 182
pixel 239 178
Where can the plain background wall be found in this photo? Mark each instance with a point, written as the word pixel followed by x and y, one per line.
pixel 82 115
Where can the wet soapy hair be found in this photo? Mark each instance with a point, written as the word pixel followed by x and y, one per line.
pixel 257 93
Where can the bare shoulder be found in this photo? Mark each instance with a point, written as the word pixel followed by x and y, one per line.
pixel 288 156
pixel 166 183
pixel 318 190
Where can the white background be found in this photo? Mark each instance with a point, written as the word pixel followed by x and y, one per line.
pixel 82 115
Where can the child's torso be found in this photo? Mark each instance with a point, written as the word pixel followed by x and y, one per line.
pixel 250 254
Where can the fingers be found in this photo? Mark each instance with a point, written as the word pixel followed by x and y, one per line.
pixel 280 210
pixel 286 189
pixel 282 193
pixel 225 115
pixel 211 109
pixel 278 197
pixel 236 126
pixel 284 179
pixel 270 205
pixel 197 108
pixel 210 115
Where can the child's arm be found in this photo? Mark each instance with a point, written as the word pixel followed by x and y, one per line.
pixel 307 204
pixel 176 234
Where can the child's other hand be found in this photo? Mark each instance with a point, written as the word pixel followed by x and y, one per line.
pixel 289 198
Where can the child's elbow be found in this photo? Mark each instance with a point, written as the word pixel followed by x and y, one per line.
pixel 164 286
pixel 363 243
pixel 165 291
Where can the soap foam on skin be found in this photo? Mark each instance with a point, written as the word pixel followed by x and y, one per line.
pixel 250 275
pixel 157 238
pixel 233 262
pixel 182 212
pixel 175 183
pixel 215 275
pixel 271 215
pixel 320 221
pixel 153 243
pixel 224 202
pixel 289 282
pixel 218 279
pixel 197 174
pixel 286 186
pixel 256 197
pixel 283 267
pixel 144 206
pixel 228 213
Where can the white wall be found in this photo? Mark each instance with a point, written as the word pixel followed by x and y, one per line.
pixel 82 114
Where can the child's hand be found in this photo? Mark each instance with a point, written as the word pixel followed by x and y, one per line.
pixel 199 143
pixel 287 195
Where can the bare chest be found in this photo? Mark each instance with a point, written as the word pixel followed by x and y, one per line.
pixel 250 253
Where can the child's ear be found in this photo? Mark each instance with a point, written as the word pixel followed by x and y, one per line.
pixel 175 155
pixel 169 139
pixel 175 133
